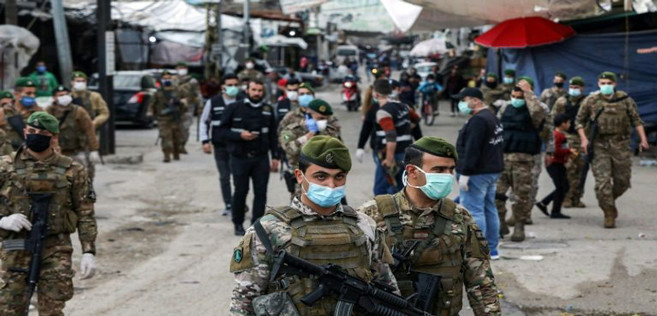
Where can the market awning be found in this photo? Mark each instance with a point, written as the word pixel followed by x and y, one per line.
pixel 280 40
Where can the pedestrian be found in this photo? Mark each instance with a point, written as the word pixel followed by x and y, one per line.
pixel 430 90
pixel 569 105
pixel 77 135
pixel 556 168
pixel 454 83
pixel 44 81
pixel 550 95
pixel 37 169
pixel 190 92
pixel 416 130
pixel 168 106
pixel 615 112
pixel 481 160
pixel 368 99
pixel 493 92
pixel 449 245
pixel 508 83
pixel 210 135
pixel 249 126
pixel 521 119
pixel 296 134
pixel 406 90
pixel 328 232
pixel 289 101
pixel 91 101
pixel 393 129
pixel 292 74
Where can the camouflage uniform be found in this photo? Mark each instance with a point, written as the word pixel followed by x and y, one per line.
pixel 14 136
pixel 251 74
pixel 550 95
pixel 71 208
pixel 573 166
pixel 493 95
pixel 94 104
pixel 345 238
pixel 455 249
pixel 189 90
pixel 612 161
pixel 169 125
pixel 77 136
pixel 5 144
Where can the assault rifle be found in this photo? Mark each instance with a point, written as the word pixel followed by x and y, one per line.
pixel 374 299
pixel 588 158
pixel 172 107
pixel 16 123
pixel 426 285
pixel 34 244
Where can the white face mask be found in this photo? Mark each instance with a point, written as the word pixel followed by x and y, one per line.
pixel 182 72
pixel 249 65
pixel 293 95
pixel 321 125
pixel 79 85
pixel 64 100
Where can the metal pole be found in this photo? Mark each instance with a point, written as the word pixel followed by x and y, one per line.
pixel 11 10
pixel 247 30
pixel 103 18
pixel 219 58
pixel 61 38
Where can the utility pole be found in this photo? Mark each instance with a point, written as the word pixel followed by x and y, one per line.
pixel 247 30
pixel 62 41
pixel 105 79
pixel 219 68
pixel 11 15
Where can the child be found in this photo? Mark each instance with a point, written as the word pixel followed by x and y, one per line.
pixel 557 170
pixel 430 90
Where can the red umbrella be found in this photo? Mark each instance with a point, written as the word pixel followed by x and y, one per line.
pixel 525 32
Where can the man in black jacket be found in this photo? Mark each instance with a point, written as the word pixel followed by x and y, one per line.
pixel 249 129
pixel 481 160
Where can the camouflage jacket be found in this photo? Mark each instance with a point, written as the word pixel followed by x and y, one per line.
pixel 618 113
pixel 561 107
pixel 95 105
pixel 72 205
pixel 550 95
pixel 461 246
pixel 292 137
pixel 76 131
pixel 190 90
pixel 252 272
pixel 493 95
pixel 251 74
pixel 159 105
pixel 14 136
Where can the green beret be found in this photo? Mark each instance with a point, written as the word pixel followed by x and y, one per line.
pixel 308 86
pixel 23 82
pixel 181 64
pixel 6 95
pixel 491 75
pixel 510 72
pixel 436 146
pixel 320 106
pixel 561 74
pixel 528 79
pixel 608 75
pixel 578 81
pixel 79 74
pixel 327 152
pixel 43 120
pixel 60 88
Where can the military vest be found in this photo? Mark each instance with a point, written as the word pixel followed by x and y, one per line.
pixel 35 177
pixel 520 135
pixel 84 100
pixel 283 107
pixel 71 137
pixel 614 118
pixel 571 111
pixel 337 240
pixel 253 119
pixel 402 118
pixel 217 107
pixel 440 252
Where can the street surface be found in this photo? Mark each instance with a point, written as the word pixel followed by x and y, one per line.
pixel 164 248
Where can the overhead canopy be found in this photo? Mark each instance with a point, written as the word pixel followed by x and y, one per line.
pixel 525 32
pixel 280 40
pixel 429 47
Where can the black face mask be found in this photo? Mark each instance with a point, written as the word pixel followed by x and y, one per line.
pixel 37 142
pixel 558 84
pixel 491 84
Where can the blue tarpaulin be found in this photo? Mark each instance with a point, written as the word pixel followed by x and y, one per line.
pixel 632 56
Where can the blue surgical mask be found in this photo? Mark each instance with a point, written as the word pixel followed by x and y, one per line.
pixel 324 196
pixel 304 100
pixel 438 186
pixel 232 91
pixel 574 92
pixel 517 103
pixel 28 101
pixel 508 80
pixel 464 107
pixel 41 69
pixel 607 89
pixel 166 82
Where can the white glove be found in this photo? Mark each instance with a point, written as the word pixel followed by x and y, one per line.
pixel 463 182
pixel 15 222
pixel 94 157
pixel 87 266
pixel 359 154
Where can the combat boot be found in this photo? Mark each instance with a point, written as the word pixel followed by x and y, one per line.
pixel 176 155
pixel 610 218
pixel 183 151
pixel 511 221
pixel 504 229
pixel 167 157
pixel 579 204
pixel 518 232
pixel 567 204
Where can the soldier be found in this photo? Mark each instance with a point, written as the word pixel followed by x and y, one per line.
pixel 38 168
pixel 449 244
pixel 10 122
pixel 508 83
pixel 77 136
pixel 492 92
pixel 190 91
pixel 550 95
pixel 315 227
pixel 522 121
pixel 25 103
pixel 167 105
pixel 293 136
pixel 570 105
pixel 616 113
pixel 250 73
pixel 91 101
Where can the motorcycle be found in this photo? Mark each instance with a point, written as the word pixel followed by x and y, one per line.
pixel 351 93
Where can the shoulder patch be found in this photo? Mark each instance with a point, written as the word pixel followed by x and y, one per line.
pixel 242 259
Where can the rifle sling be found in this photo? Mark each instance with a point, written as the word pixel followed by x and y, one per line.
pixel 264 238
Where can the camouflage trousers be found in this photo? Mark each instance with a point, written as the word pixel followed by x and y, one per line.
pixel 517 176
pixel 574 168
pixel 187 121
pixel 536 173
pixel 171 136
pixel 612 169
pixel 56 281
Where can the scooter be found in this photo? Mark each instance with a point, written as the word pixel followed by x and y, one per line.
pixel 351 93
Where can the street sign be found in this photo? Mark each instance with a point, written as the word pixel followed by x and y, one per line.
pixel 109 53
